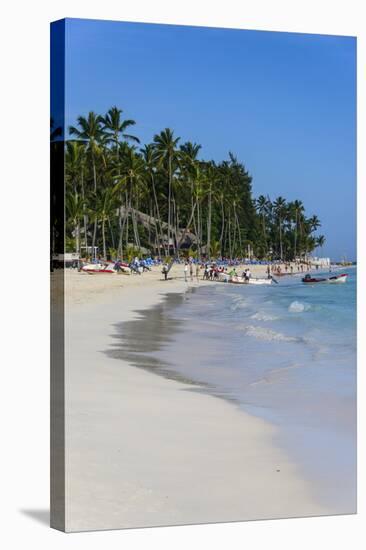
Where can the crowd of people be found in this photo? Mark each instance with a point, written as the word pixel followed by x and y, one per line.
pixel 194 268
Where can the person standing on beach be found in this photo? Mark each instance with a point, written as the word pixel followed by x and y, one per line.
pixel 185 271
pixel 198 272
pixel 165 271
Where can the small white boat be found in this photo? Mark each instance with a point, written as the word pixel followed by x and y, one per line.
pixel 251 281
pixel 338 278
pixel 99 268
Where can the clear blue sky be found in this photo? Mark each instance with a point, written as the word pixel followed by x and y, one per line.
pixel 284 103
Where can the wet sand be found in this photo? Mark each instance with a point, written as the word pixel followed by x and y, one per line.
pixel 149 450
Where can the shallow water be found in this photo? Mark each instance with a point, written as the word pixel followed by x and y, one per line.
pixel 285 352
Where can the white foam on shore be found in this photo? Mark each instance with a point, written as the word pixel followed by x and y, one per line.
pixel 258 316
pixel 267 334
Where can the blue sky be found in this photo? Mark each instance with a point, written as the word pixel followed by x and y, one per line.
pixel 284 103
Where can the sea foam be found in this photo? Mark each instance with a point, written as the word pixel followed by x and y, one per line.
pixel 267 334
pixel 263 317
pixel 298 307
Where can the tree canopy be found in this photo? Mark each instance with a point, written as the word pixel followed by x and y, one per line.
pixel 163 198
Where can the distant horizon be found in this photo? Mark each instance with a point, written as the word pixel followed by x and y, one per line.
pixel 283 103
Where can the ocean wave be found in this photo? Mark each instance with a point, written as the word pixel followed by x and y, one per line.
pixel 239 303
pixel 263 317
pixel 274 376
pixel 268 335
pixel 298 307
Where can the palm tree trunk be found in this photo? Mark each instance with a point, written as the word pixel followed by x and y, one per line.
pixel 295 244
pixel 85 217
pixel 111 232
pixel 169 199
pixel 181 240
pixel 209 224
pixel 95 190
pixel 239 235
pixel 222 225
pixel 77 237
pixel 234 236
pixel 281 252
pixel 103 237
pixel 198 231
pixel 157 211
pixel 229 230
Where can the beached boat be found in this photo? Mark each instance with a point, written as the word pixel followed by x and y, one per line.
pixel 99 268
pixel 334 279
pixel 107 268
pixel 252 281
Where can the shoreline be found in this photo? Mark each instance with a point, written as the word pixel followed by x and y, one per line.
pixel 182 455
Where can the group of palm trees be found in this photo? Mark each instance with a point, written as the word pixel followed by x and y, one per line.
pixel 285 230
pixel 161 198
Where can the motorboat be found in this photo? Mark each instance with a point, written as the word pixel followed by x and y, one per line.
pixel 251 281
pixel 334 279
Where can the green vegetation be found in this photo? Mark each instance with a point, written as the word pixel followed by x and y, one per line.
pixel 162 198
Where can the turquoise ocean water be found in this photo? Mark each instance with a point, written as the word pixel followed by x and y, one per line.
pixel 285 353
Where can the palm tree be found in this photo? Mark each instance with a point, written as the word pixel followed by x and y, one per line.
pixel 91 133
pixel 150 158
pixel 74 212
pixel 314 223
pixel 262 206
pixel 280 208
pixel 134 172
pixel 320 241
pixel 115 128
pixel 297 208
pixel 105 206
pixel 165 145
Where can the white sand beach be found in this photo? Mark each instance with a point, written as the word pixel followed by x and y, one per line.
pixel 143 450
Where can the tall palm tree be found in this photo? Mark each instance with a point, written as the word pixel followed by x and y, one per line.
pixel 134 173
pixel 115 128
pixel 74 211
pixel 314 223
pixel 279 206
pixel 105 201
pixel 262 206
pixel 90 132
pixel 166 148
pixel 320 241
pixel 150 157
pixel 297 208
